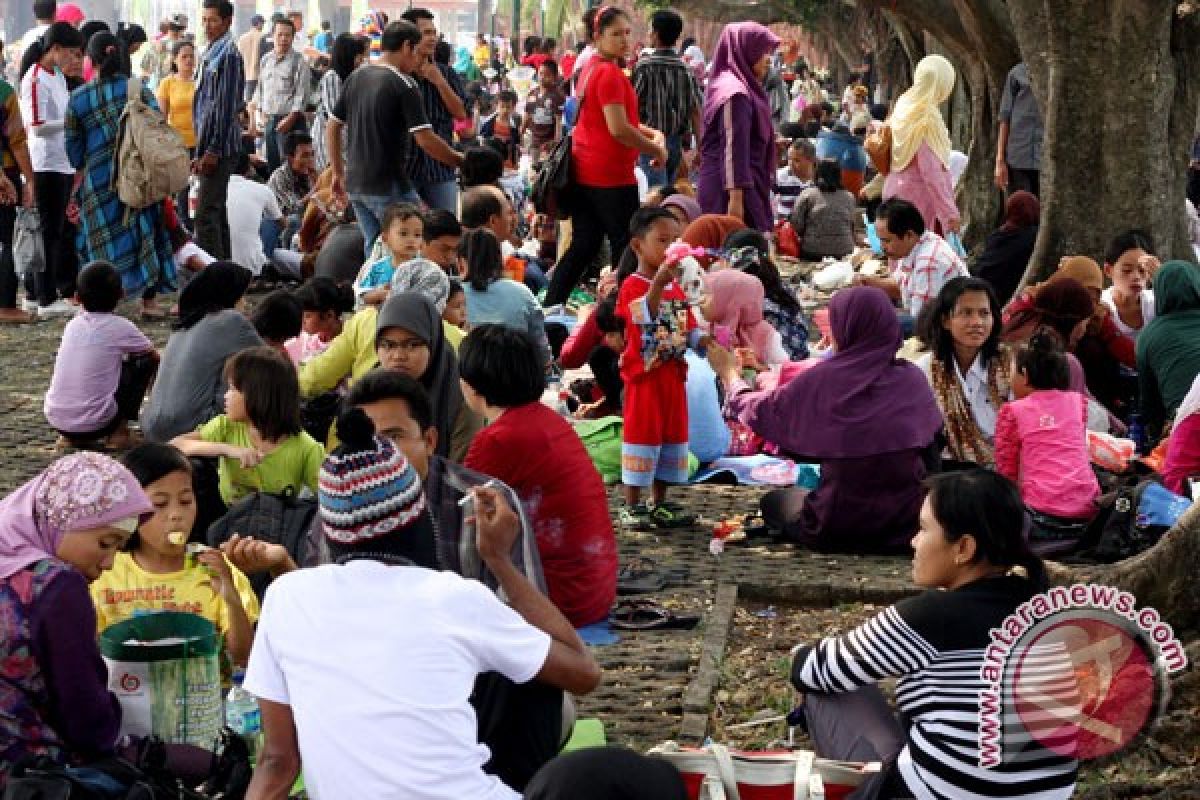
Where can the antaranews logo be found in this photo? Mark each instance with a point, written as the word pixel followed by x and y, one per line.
pixel 1079 670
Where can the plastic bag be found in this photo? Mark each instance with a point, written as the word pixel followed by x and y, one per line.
pixel 29 253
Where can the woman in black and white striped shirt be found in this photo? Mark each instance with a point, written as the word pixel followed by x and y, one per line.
pixel 971 534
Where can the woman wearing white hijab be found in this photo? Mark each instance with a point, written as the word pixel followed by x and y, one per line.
pixel 920 171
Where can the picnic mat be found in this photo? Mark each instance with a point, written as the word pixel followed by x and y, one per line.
pixel 760 470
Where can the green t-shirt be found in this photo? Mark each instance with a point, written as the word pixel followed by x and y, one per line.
pixel 294 463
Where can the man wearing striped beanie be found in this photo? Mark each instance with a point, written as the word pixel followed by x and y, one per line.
pixel 365 668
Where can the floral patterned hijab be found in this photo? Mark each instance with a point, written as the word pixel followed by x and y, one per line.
pixel 75 493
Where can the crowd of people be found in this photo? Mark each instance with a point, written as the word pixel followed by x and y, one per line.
pixel 401 367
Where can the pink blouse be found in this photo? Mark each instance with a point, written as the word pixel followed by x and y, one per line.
pixel 927 184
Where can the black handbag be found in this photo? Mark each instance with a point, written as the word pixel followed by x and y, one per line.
pixel 551 188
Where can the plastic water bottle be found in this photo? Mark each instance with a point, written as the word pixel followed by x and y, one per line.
pixel 242 713
pixel 1137 432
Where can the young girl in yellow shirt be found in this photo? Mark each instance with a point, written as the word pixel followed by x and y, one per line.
pixel 157 572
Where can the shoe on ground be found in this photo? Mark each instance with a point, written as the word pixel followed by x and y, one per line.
pixel 28 305
pixel 59 308
pixel 637 518
pixel 663 516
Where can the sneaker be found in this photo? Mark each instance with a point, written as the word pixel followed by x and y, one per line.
pixel 635 518
pixel 59 308
pixel 664 516
pixel 29 306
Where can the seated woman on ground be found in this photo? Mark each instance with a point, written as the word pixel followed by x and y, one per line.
pixel 749 251
pixel 1101 351
pixel 259 440
pixel 1008 249
pixel 1168 349
pixel 1130 264
pixel 967 367
pixel 969 538
pixel 1041 444
pixel 190 387
pixel 1183 449
pixel 155 572
pixel 869 419
pixel 824 216
pixel 494 299
pixel 58 533
pixel 536 452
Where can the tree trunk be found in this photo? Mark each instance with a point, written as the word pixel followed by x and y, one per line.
pixel 1118 83
pixel 1163 577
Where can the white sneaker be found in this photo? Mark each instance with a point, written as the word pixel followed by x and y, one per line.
pixel 29 306
pixel 59 308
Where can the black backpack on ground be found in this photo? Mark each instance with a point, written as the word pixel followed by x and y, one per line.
pixel 275 518
pixel 1116 533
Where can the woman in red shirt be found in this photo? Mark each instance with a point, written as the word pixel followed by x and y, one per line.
pixel 605 145
pixel 536 452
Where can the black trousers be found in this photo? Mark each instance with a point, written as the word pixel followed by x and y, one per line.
pixel 596 213
pixel 605 364
pixel 521 724
pixel 137 372
pixel 52 191
pixel 8 272
pixel 1025 180
pixel 211 223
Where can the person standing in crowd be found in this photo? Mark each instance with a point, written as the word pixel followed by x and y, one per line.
pixel 249 44
pixel 218 132
pixel 176 94
pixel 44 12
pixel 445 101
pixel 44 99
pixel 693 56
pixel 282 92
pixel 1019 144
pixel 921 147
pixel 544 110
pixel 605 144
pixel 737 149
pixel 16 188
pixel 382 107
pixel 348 54
pixel 135 241
pixel 158 62
pixel 669 99
pixel 323 41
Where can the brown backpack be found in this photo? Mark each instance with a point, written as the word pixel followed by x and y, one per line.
pixel 152 162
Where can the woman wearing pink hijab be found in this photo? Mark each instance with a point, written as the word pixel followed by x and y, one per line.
pixel 734 302
pixel 58 532
pixel 737 148
pixel 71 13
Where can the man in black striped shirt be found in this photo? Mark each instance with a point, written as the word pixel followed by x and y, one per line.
pixel 669 98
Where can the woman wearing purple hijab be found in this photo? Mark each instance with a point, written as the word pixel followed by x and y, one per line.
pixel 868 418
pixel 737 148
pixel 58 532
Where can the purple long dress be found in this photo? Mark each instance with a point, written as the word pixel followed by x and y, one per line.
pixel 737 148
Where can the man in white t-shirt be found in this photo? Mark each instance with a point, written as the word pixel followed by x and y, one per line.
pixel 364 668
pixel 255 220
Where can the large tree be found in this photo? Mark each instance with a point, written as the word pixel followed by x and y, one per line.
pixel 1118 84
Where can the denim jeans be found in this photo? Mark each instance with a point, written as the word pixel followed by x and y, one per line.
pixel 664 176
pixel 369 208
pixel 274 140
pixel 440 195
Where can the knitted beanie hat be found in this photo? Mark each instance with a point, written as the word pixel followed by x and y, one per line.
pixel 366 488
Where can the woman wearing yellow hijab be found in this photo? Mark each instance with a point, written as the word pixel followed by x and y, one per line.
pixel 921 147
